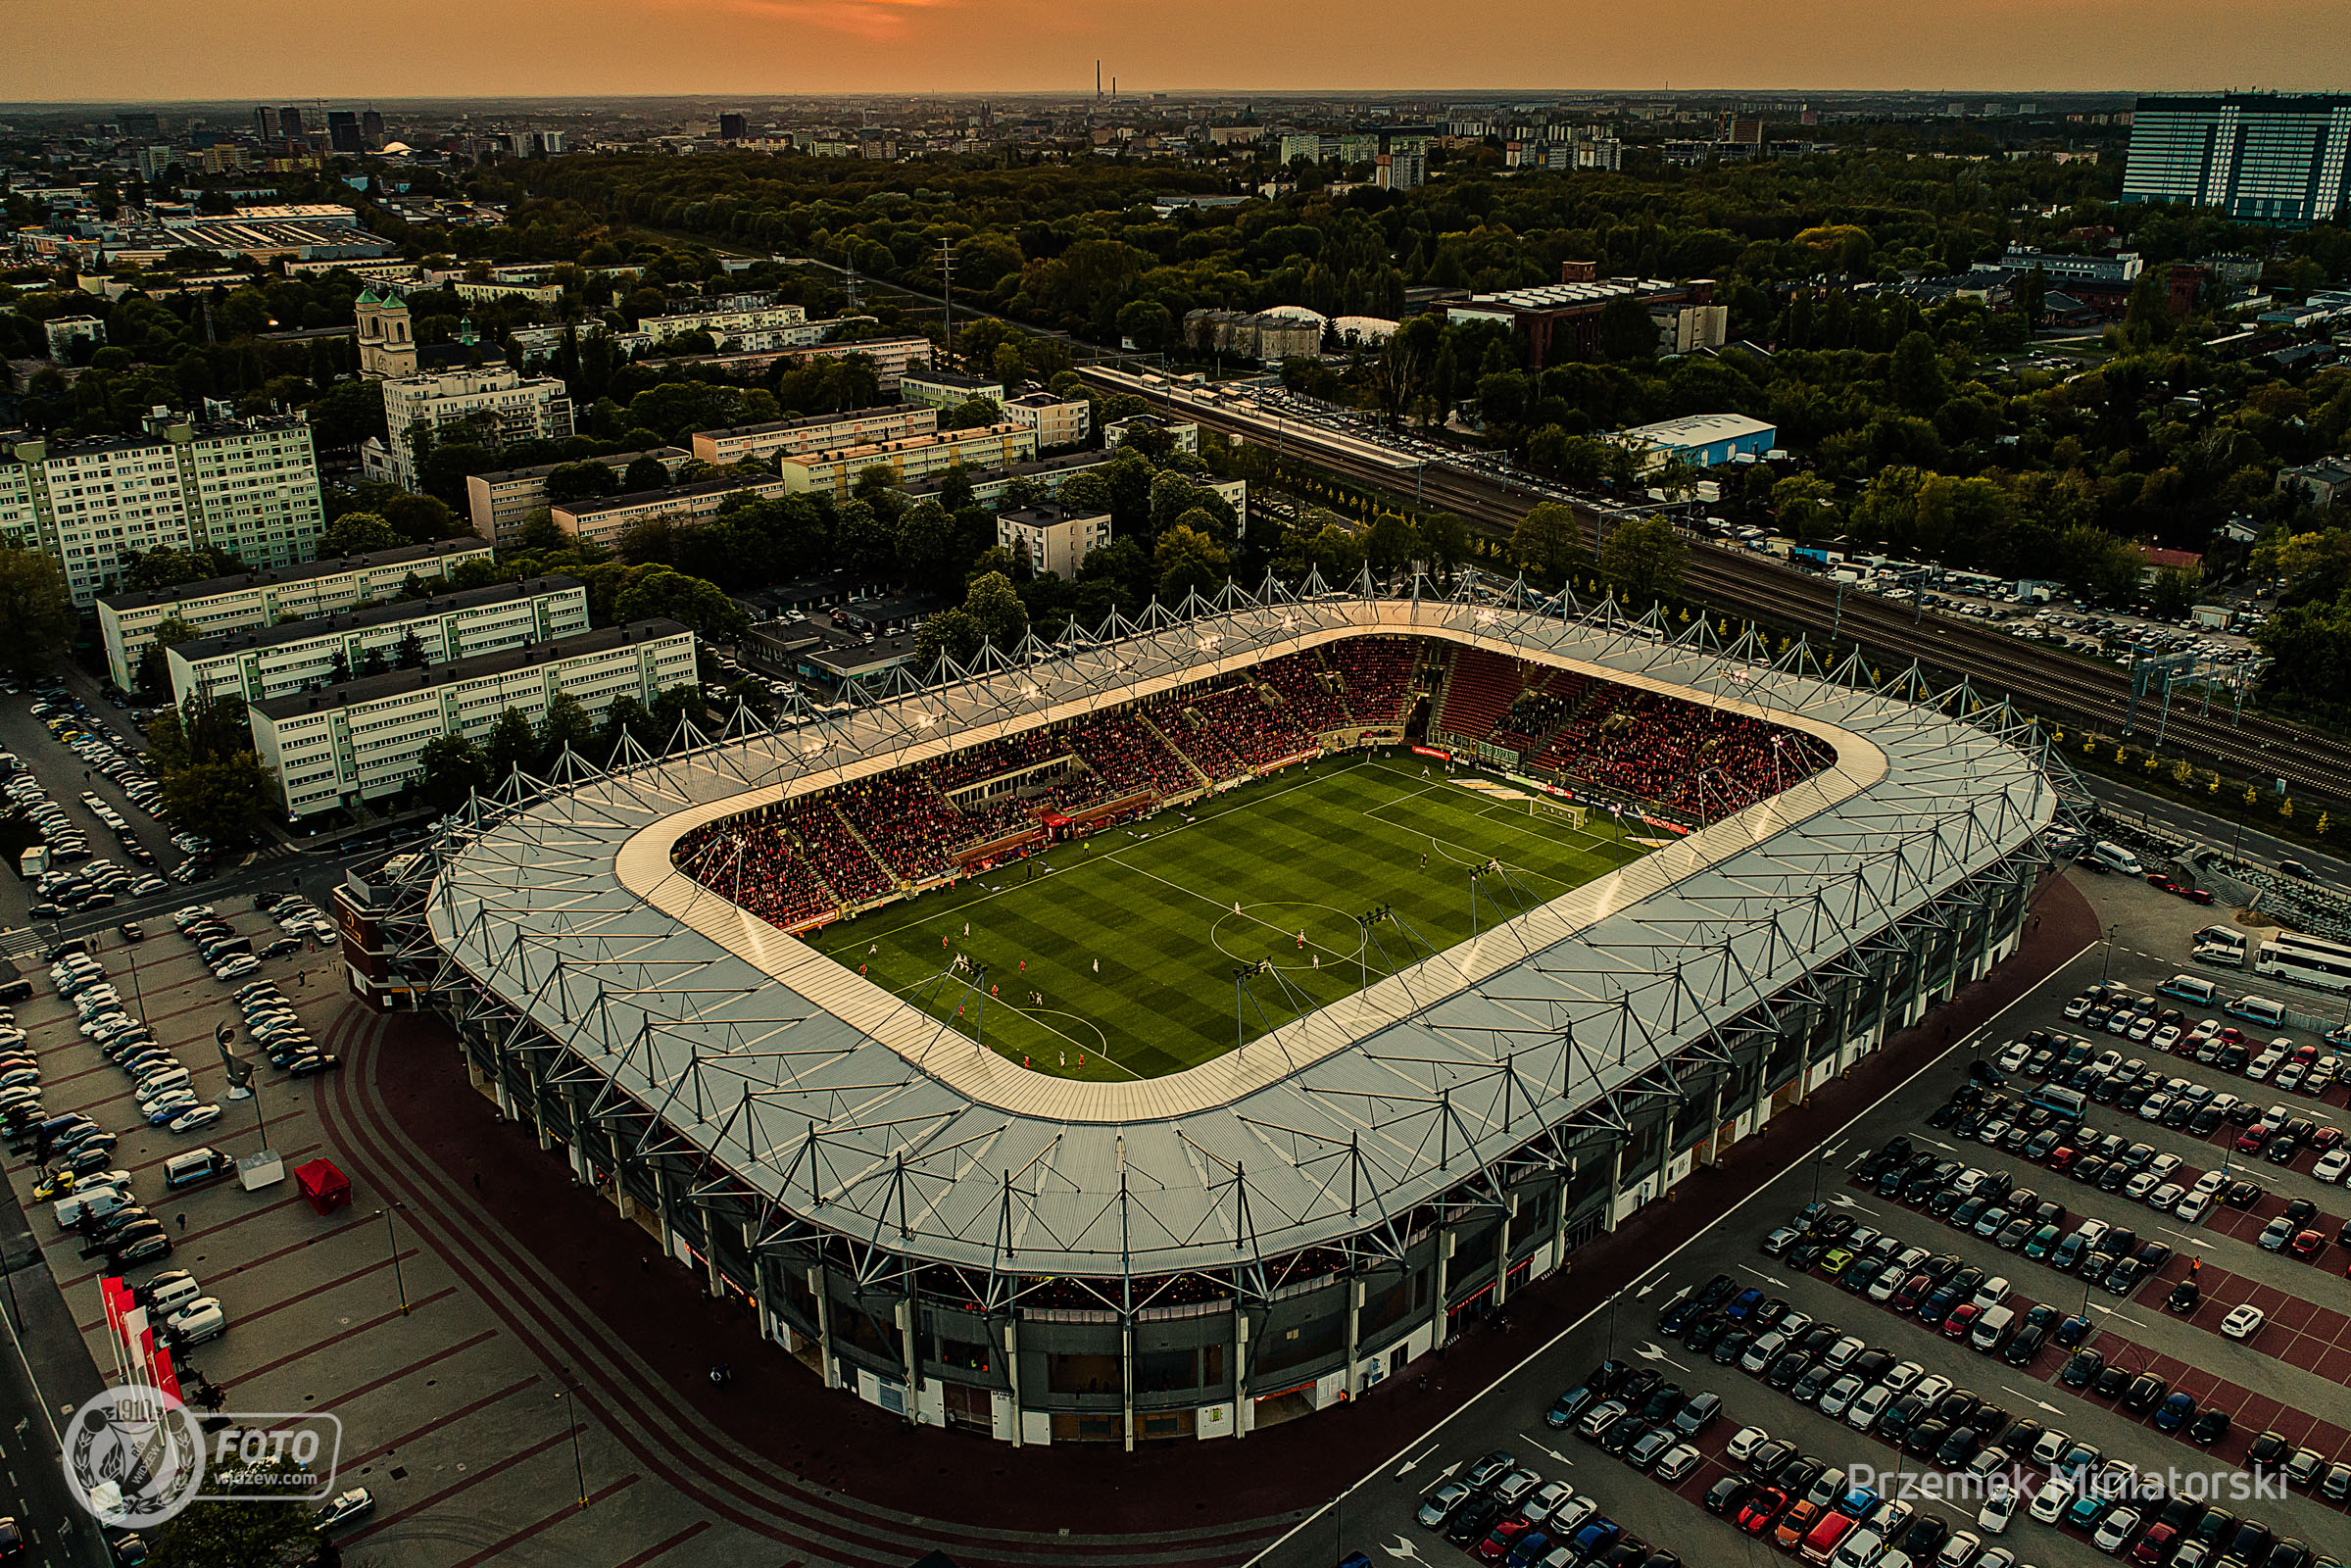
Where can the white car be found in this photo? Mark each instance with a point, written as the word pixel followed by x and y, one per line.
pixel 2014 1056
pixel 2192 1209
pixel 1901 1375
pixel 2049 1503
pixel 1997 1510
pixel 2118 1527
pixel 2210 1184
pixel 2332 1164
pixel 1546 1501
pixel 1863 1413
pixel 2243 1322
pixel 2050 1446
pixel 201 1319
pixel 195 1118
pixel 1994 1293
pixel 1745 1442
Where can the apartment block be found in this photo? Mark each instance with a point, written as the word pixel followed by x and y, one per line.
pixel 745 328
pixel 246 487
pixel 607 517
pixel 1182 435
pixel 1055 539
pixel 988 485
pixel 126 621
pixel 364 739
pixel 943 389
pixel 490 400
pixel 1057 422
pixel 263 663
pixel 988 446
pixel 500 503
pixel 756 443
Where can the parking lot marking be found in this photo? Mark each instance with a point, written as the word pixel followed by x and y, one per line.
pixel 1406 1468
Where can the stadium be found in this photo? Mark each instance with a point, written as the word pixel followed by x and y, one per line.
pixel 1602 898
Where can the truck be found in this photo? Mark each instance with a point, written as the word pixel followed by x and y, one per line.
pixel 33 862
pixel 1814 555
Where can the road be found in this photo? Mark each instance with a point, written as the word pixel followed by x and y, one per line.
pixel 2138 806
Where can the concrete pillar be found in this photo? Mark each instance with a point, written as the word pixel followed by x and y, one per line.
pixel 1714 1137
pixel 1560 1216
pixel 1240 1406
pixel 906 1353
pixel 1354 1328
pixel 709 1263
pixel 825 1327
pixel 538 1101
pixel 661 1198
pixel 1126 1378
pixel 1616 1181
pixel 1436 1315
pixel 1502 1253
pixel 1013 1372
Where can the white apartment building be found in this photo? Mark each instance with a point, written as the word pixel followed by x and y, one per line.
pixel 1183 435
pixel 247 488
pixel 514 407
pixel 1057 539
pixel 607 517
pixel 755 443
pixel 748 328
pixel 1057 422
pixel 266 662
pixel 988 485
pixel 500 503
pixel 126 621
pixel 361 740
pixel 987 446
pixel 943 389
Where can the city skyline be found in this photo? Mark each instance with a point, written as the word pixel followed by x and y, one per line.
pixel 67 54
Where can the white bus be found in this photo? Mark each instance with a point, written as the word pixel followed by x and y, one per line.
pixel 2305 961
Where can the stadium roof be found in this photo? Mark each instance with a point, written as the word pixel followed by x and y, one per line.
pixel 861 1115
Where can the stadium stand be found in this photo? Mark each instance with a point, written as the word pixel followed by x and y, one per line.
pixel 827 854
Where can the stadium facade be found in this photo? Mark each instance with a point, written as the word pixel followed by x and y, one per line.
pixel 951 1236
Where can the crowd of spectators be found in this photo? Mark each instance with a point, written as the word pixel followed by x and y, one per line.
pixel 862 841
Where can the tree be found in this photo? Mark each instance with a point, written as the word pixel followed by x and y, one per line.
pixel 996 611
pixel 565 724
pixel 166 567
pixel 1645 558
pixel 513 743
pixel 1918 379
pixel 1549 541
pixel 449 768
pixel 1188 561
pixel 421 520
pixel 2174 592
pixel 645 473
pixel 1390 543
pixel 225 797
pixel 255 1530
pixel 357 534
pixel 578 481
pixel 951 632
pixel 1626 330
pixel 154 671
pixel 410 653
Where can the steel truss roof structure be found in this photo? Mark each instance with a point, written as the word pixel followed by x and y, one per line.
pixel 835 1109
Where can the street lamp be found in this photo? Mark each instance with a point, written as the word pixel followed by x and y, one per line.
pixel 2106 964
pixel 393 1237
pixel 571 1414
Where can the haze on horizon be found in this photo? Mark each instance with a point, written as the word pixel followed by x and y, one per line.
pixel 147 50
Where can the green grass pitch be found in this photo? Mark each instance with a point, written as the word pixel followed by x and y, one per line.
pixel 1131 938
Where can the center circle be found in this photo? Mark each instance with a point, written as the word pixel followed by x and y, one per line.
pixel 1270 930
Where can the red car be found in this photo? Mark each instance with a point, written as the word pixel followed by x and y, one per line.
pixel 1496 1546
pixel 2063 1157
pixel 2306 1245
pixel 1962 1319
pixel 2326 1138
pixel 1911 1292
pixel 2155 1545
pixel 1755 1516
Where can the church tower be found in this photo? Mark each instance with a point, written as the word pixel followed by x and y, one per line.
pixel 387 343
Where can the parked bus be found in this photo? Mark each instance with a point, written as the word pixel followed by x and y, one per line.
pixel 2259 1009
pixel 2305 961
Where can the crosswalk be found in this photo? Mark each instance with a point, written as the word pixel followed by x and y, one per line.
pixel 21 944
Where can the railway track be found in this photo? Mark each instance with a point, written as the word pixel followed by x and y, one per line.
pixel 2059 687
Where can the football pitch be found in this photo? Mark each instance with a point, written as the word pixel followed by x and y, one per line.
pixel 1112 958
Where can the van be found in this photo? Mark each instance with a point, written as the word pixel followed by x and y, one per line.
pixel 1825 1537
pixel 88 1202
pixel 2067 1103
pixel 2260 1010
pixel 1861 1548
pixel 2191 988
pixel 1992 1328
pixel 169 1293
pixel 196 1166
pixel 2115 857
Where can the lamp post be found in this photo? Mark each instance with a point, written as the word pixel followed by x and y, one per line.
pixel 580 1465
pixel 392 1235
pixel 2106 962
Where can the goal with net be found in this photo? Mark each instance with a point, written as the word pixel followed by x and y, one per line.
pixel 1573 815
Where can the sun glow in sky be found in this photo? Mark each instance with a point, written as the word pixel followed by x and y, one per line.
pixel 134 50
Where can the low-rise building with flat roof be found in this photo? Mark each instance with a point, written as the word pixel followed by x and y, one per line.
pixel 604 518
pixel 1182 435
pixel 500 503
pixel 756 443
pixel 126 621
pixel 363 739
pixel 268 661
pixel 1058 421
pixel 945 389
pixel 1055 539
pixel 986 446
pixel 1699 439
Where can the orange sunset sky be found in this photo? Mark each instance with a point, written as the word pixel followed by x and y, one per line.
pixel 131 50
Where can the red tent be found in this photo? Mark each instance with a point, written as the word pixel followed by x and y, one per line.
pixel 325 1186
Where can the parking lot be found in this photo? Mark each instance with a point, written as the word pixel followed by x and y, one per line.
pixel 2280 1388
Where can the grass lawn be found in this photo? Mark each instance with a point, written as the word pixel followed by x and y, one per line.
pixel 1152 904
